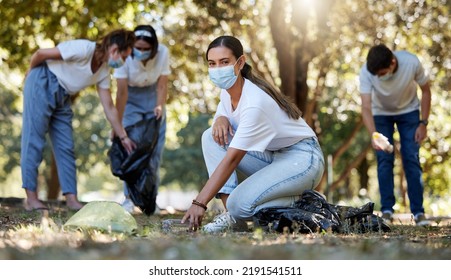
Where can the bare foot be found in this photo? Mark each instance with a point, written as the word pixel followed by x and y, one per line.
pixel 33 203
pixel 72 202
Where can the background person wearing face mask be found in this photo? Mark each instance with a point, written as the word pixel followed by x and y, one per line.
pixel 257 131
pixel 54 75
pixel 142 90
pixel 388 88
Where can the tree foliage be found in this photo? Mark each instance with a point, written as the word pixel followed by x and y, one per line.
pixel 185 166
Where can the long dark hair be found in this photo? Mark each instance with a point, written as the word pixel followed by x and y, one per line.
pixel 152 39
pixel 235 46
pixel 124 39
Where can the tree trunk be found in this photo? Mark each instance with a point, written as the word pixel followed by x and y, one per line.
pixel 363 172
pixel 285 52
pixel 301 94
pixel 296 49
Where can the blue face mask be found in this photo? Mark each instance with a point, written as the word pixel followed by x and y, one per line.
pixel 386 77
pixel 223 77
pixel 115 63
pixel 139 55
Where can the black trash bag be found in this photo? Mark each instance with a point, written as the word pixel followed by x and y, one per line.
pixel 312 213
pixel 314 202
pixel 145 135
pixel 292 219
pixel 135 168
pixel 144 191
pixel 360 219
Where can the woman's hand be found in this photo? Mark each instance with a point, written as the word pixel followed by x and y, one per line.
pixel 221 129
pixel 194 217
pixel 158 111
pixel 128 144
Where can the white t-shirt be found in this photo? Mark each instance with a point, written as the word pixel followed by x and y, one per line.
pixel 398 95
pixel 259 123
pixel 140 75
pixel 74 71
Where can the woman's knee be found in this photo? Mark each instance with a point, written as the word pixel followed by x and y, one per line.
pixel 238 209
pixel 207 138
pixel 233 208
pixel 206 135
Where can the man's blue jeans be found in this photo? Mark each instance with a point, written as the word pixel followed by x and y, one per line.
pixel 406 125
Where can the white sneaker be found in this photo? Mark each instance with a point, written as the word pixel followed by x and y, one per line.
pixel 128 205
pixel 224 222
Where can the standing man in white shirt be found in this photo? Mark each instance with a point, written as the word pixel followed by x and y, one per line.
pixel 142 86
pixel 388 88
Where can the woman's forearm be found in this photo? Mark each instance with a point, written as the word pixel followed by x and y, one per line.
pixel 222 173
pixel 162 91
pixel 121 97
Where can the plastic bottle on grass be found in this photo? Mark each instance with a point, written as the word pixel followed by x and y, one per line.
pixel 174 225
pixel 382 141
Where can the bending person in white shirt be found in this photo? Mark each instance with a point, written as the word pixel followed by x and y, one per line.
pixel 54 75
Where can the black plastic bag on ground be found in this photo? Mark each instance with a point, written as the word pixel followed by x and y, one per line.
pixel 135 168
pixel 312 213
pixel 294 220
pixel 360 219
pixel 314 202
